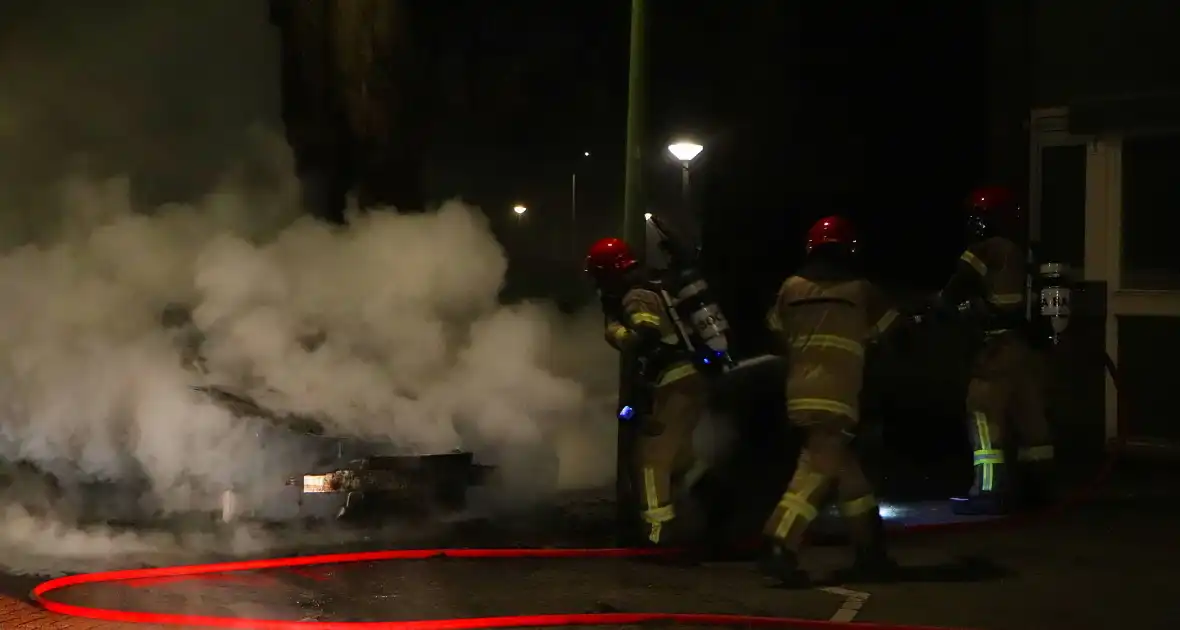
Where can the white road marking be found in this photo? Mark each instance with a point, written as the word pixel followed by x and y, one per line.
pixel 853 601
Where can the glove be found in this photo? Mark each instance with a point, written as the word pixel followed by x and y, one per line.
pixel 938 308
pixel 900 336
pixel 662 354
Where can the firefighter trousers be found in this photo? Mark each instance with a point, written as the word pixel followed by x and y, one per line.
pixel 1006 392
pixel 827 461
pixel 665 448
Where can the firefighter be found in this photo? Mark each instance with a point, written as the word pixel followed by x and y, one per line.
pixel 824 316
pixel 638 321
pixel 1007 374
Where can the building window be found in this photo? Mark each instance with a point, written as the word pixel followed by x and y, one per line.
pixel 1063 205
pixel 1151 213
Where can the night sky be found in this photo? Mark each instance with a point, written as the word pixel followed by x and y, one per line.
pixel 871 109
pixel 874 110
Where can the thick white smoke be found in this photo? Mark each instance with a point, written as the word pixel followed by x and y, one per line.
pixel 410 344
pixel 389 329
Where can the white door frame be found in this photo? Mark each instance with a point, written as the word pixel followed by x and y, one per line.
pixel 1104 218
pixel 1049 127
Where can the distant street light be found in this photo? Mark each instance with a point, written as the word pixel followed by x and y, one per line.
pixel 574 209
pixel 519 209
pixel 685 152
pixel 647 216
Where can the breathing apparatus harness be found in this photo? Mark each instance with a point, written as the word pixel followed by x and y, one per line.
pixel 702 331
pixel 1048 294
pixel 1052 285
pixel 700 324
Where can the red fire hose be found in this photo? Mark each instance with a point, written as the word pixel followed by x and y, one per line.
pixel 512 621
pixel 39 593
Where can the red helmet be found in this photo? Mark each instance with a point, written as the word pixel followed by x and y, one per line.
pixel 992 210
pixel 834 230
pixel 609 256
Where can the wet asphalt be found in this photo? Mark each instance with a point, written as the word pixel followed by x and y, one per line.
pixel 1109 563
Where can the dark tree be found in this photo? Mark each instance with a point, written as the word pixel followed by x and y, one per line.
pixel 346 69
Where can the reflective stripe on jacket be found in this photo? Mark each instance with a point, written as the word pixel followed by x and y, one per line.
pixel 823 327
pixel 643 308
pixel 1001 264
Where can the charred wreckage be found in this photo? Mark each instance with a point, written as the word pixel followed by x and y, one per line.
pixel 335 478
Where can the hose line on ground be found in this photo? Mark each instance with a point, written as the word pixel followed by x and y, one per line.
pixel 40 592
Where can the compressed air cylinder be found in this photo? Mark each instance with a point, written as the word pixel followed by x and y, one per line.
pixel 705 316
pixel 705 319
pixel 1055 296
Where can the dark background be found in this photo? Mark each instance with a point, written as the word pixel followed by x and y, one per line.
pixel 886 111
pixel 871 110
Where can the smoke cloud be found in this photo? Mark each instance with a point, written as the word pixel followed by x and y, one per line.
pixel 147 178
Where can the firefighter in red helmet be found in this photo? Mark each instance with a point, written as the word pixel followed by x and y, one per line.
pixel 824 316
pixel 1006 390
pixel 637 321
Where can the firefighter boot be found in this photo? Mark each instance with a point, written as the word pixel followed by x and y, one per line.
pixel 989 493
pixel 781 564
pixel 872 560
pixel 982 504
pixel 661 527
pixel 663 530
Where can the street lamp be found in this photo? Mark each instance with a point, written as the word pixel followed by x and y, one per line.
pixel 647 216
pixel 574 209
pixel 685 152
pixel 519 209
